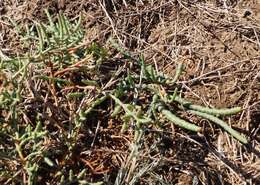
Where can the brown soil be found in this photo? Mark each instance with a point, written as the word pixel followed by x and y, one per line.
pixel 218 42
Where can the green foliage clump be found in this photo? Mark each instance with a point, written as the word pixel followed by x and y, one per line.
pixel 49 94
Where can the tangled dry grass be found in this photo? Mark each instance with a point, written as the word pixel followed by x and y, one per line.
pixel 217 41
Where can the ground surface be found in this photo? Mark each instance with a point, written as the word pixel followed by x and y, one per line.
pixel 219 43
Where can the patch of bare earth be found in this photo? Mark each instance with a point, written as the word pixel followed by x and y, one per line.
pixel 219 43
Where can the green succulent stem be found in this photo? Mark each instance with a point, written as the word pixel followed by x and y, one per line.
pixel 223 124
pixel 96 103
pixel 207 110
pixel 139 120
pixel 178 73
pixel 178 121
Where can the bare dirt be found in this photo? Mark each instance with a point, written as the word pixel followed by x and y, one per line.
pixel 219 43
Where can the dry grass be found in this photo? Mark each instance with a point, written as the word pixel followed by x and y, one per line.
pixel 219 43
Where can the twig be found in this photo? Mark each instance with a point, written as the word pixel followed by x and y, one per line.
pixel 219 69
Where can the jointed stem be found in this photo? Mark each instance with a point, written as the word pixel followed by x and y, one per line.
pixel 212 111
pixel 178 121
pixel 223 124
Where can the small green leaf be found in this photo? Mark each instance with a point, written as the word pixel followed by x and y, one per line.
pixel 48 161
